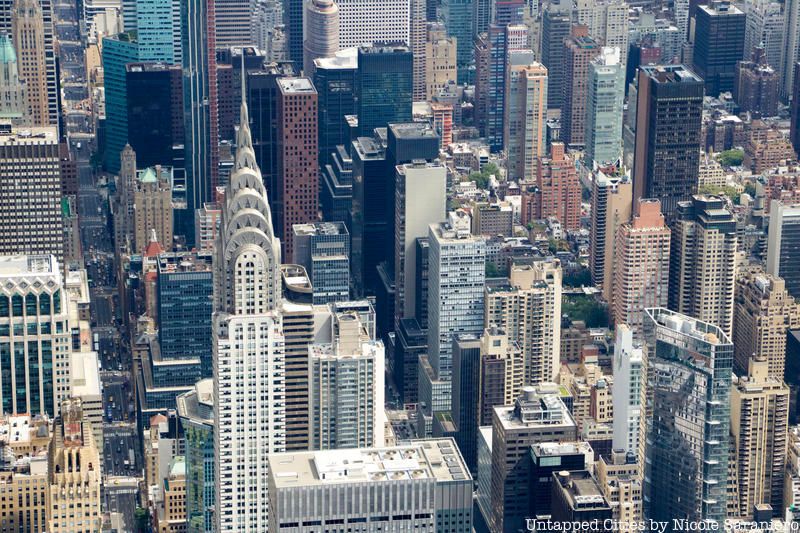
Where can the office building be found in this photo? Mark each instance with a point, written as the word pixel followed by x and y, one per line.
pixel 383 91
pixel 441 67
pixel 488 372
pixel 458 20
pixel 688 417
pixel 249 405
pixel 185 305
pixel 118 51
pixel 503 40
pixel 641 265
pixel 300 483
pixel 336 185
pixel 607 22
pixel 233 23
pixel 73 473
pixel 628 386
pixel 718 44
pixel 456 275
pixel 764 27
pixel 580 51
pixel 537 415
pixel 36 373
pixel 704 260
pixel 756 87
pixel 29 35
pixel 23 475
pixel 604 105
pixel 548 458
pixel 790 54
pixel 410 342
pixel 196 412
pixel 558 193
pixel 526 119
pixel 764 313
pixel 201 118
pixel 14 99
pixel 30 193
pixel 760 426
pixel 157 28
pixel 556 26
pixel 346 392
pixel 669 106
pixel 323 248
pixel 527 307
pixel 612 202
pixel 296 199
pixel 492 219
pixel 783 244
pixel 154 90
pixel 577 497
pixel 420 200
pixel 387 21
pixel 335 80
pixel 322 32
pixel 152 207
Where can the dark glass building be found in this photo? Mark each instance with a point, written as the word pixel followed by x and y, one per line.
pixel 384 86
pixel 155 112
pixel 466 400
pixel 718 44
pixel 185 290
pixel 669 111
pixel 411 341
pixel 336 186
pixel 556 26
pixel 548 458
pixel 335 80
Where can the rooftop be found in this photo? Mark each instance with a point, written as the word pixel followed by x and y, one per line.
pixel 22 265
pixel 436 459
pixel 687 325
pixel 29 135
pixel 671 74
pixel 296 85
pixel 344 59
pixel 320 228
pixel 539 406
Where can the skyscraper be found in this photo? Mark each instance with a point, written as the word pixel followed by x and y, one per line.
pixel 30 184
pixel 457 271
pixel 783 245
pixel 765 26
pixel 641 264
pixel 612 203
pixel 457 16
pixel 503 40
pixel 420 200
pixel 152 208
pixel 384 88
pixel 604 105
pixel 32 35
pixel 323 249
pixel 688 418
pixel 756 85
pixel 322 32
pixel 248 345
pixel 526 118
pixel 703 261
pixel 538 415
pixel 14 98
pixel 580 51
pixel 155 28
pixel 629 381
pixel 293 14
pixel 335 79
pixel 296 197
pixel 667 147
pixel 118 51
pixel 441 66
pixel 558 192
pixel 760 426
pixel 718 44
pixel 790 54
pixel 346 388
pixel 556 25
pixel 393 476
pixel 233 22
pixel 608 23
pixel 199 101
pixel 763 315
pixel 36 372
pixel 527 307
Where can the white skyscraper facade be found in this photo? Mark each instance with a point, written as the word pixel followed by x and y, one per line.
pixel 248 346
pixel 456 276
pixel 627 391
pixel 606 92
pixel 346 392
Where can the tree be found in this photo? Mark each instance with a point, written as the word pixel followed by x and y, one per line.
pixel 482 178
pixel 731 158
pixel 141 518
pixel 726 190
pixel 587 309
pixel 491 270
